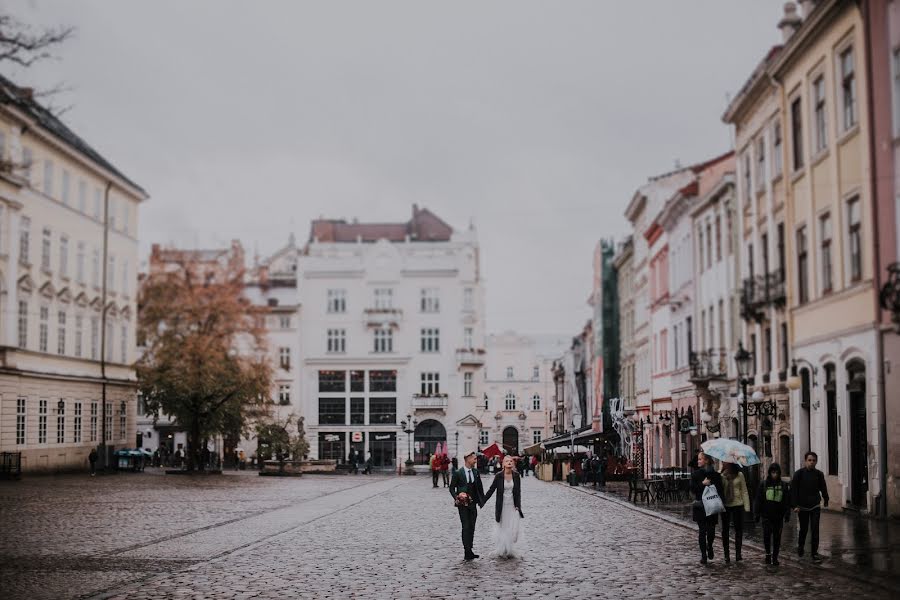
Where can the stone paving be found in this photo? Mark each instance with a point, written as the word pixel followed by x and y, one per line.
pixel 354 537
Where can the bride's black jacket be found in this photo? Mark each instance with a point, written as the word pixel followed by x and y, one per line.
pixel 497 485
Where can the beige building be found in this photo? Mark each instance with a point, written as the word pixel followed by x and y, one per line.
pixel 68 264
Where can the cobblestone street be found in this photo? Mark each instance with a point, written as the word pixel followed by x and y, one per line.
pixel 243 536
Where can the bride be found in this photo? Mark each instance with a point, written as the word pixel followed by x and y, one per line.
pixel 508 511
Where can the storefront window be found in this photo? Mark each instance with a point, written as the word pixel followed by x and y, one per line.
pixel 357 411
pixel 382 411
pixel 382 381
pixel 331 446
pixel 332 381
pixel 332 411
pixel 357 381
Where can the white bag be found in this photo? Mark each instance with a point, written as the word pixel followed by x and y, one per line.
pixel 712 504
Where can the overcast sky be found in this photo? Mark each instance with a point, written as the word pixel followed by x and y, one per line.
pixel 535 119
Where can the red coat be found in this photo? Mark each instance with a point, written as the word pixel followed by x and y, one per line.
pixel 445 463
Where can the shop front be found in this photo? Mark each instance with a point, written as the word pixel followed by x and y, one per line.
pixel 383 449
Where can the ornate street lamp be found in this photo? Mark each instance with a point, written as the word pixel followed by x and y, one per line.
pixel 409 430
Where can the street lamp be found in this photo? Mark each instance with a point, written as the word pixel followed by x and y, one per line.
pixel 456 436
pixel 409 426
pixel 743 360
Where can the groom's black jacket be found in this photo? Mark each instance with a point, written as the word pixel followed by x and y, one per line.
pixel 475 490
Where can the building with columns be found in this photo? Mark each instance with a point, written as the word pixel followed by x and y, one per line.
pixel 68 282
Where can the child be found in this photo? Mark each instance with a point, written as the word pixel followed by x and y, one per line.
pixel 774 508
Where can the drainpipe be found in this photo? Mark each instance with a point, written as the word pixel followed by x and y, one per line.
pixel 104 275
pixel 880 499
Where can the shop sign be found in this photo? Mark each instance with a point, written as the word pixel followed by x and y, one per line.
pixel 332 437
pixel 382 436
pixel 356 436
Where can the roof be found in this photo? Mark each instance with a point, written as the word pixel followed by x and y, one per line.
pixel 23 100
pixel 424 226
pixel 755 77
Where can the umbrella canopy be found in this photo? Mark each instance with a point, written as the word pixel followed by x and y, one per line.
pixel 493 450
pixel 730 451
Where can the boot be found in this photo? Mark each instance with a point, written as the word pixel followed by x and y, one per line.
pixel 737 552
pixel 726 553
pixel 769 559
pixel 709 551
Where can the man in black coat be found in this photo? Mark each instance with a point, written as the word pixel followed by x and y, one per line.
pixel 705 475
pixel 808 490
pixel 467 480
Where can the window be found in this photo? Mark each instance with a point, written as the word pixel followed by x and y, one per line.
pixel 767 350
pixel 79 334
pixel 64 255
pixel 94 408
pixel 61 423
pixel 95 338
pixel 747 177
pixel 337 301
pixel 24 239
pixel 535 373
pixel 48 177
pixel 484 437
pixel 664 342
pixel 20 421
pixel 676 344
pixel 357 411
pixel 65 186
pixel 61 333
pixel 689 330
pixel 76 423
pixel 111 213
pixel 384 298
pixel 782 257
pixel 797 133
pixel 783 362
pixel 382 411
pixel 802 267
pixel 337 341
pixel 776 150
pixel 27 163
pixel 79 263
pixel 109 341
pixel 45 250
pixel 760 164
pixel 95 264
pixel 709 254
pixel 536 436
pixel 509 372
pixel 123 421
pixel 825 236
pixel 848 88
pixel 284 358
pixel 111 273
pixel 98 200
pixel 468 338
pixel 382 381
pixel 467 384
pixel 332 411
pixel 855 239
pixel 23 324
pixel 123 344
pixel 82 196
pixel 332 381
pixel 510 401
pixel 284 321
pixel 818 93
pixel 44 329
pixel 700 246
pixel 536 402
pixel 430 340
pixel 718 238
pixel 755 352
pixel 429 301
pixel 384 340
pixel 42 421
pixel 284 394
pixel 357 381
pixel 722 325
pixel 764 246
pixel 832 416
pixel 431 384
pixel 468 299
pixel 126 215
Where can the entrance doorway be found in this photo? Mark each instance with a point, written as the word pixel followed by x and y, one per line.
pixel 511 441
pixel 859 471
pixel 428 435
pixel 383 449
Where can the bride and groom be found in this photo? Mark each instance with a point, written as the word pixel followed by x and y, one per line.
pixel 468 495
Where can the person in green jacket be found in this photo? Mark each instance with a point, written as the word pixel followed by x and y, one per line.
pixel 737 502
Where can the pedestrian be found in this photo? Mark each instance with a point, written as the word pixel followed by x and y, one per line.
pixel 468 495
pixel 435 469
pixel 601 474
pixel 368 467
pixel 704 475
pixel 92 458
pixel 737 502
pixel 454 463
pixel 808 494
pixel 773 507
pixel 353 459
pixel 445 470
pixel 585 470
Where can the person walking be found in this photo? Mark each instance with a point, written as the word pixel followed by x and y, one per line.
pixel 705 475
pixel 445 470
pixel 773 507
pixel 809 493
pixel 92 458
pixel 435 469
pixel 737 502
pixel 508 508
pixel 468 495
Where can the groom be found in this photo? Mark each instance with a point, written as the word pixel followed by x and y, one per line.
pixel 466 480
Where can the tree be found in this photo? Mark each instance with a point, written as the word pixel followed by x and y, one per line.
pixel 277 441
pixel 205 363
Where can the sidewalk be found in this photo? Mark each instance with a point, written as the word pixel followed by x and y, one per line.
pixel 863 546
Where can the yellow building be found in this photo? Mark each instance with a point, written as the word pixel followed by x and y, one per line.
pixel 68 265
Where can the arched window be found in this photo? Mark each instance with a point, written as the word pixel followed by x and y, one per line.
pixel 510 401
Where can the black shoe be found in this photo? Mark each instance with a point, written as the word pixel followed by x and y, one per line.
pixel 816 556
pixel 703 561
pixel 799 551
pixel 709 552
pixel 775 561
pixel 768 559
pixel 727 557
pixel 468 557
pixel 475 555
pixel 737 556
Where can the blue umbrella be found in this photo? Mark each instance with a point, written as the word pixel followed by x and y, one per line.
pixel 730 451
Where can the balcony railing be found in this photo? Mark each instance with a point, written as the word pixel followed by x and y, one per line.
pixel 382 317
pixel 709 364
pixel 469 357
pixel 762 291
pixel 424 401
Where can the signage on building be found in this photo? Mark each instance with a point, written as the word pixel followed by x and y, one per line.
pixel 356 436
pixel 332 437
pixel 382 436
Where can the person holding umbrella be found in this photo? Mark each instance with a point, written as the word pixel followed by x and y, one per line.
pixel 705 475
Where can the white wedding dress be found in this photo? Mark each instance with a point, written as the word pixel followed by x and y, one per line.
pixel 508 530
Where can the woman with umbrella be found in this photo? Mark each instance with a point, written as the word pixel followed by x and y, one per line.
pixel 705 475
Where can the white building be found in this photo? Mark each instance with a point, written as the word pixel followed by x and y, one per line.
pixel 68 265
pixel 391 328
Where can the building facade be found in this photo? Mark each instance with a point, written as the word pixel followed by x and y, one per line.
pixel 623 266
pixel 68 271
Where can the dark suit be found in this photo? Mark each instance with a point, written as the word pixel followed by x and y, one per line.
pixel 498 485
pixel 467 514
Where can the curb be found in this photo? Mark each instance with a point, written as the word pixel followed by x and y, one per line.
pixel 747 543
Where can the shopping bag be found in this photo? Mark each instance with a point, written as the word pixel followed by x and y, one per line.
pixel 712 504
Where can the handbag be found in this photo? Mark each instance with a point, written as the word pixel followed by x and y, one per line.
pixel 712 504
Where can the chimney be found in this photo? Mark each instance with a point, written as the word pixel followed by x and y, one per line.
pixel 806 7
pixel 790 22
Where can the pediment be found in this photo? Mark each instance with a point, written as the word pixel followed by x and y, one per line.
pixel 125 311
pixel 96 303
pixel 82 299
pixel 47 290
pixel 112 310
pixel 469 421
pixel 26 283
pixel 64 295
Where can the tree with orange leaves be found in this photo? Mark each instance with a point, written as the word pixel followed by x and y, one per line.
pixel 205 364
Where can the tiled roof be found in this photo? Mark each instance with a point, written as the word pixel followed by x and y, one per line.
pixel 24 101
pixel 423 227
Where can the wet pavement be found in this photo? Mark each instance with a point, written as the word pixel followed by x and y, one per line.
pixel 243 536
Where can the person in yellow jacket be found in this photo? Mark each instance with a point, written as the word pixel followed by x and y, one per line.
pixel 737 501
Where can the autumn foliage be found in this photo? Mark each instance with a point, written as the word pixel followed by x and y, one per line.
pixel 205 364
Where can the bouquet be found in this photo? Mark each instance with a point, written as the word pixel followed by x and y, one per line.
pixel 463 499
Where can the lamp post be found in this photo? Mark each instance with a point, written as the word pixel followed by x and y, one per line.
pixel 409 426
pixel 743 360
pixel 456 437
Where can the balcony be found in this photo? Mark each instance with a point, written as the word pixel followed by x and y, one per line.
pixel 384 318
pixel 429 402
pixel 708 365
pixel 760 292
pixel 469 357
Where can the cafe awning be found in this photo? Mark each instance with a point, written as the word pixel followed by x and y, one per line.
pixel 533 450
pixel 564 439
pixel 589 437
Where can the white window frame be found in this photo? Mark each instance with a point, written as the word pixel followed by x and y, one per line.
pixel 536 402
pixel 383 341
pixel 336 341
pixel 510 373
pixel 384 298
pixel 43 328
pixel 42 421
pixel 284 394
pixel 95 408
pixel 468 379
pixel 64 256
pixel 509 401
pixel 536 436
pixel 429 300
pixel 284 357
pixel 484 437
pixel 849 115
pixel 21 421
pixel 48 177
pixel 61 423
pixel 79 335
pixel 336 301
pixel 46 248
pixel 24 240
pixel 61 332
pixel 23 324
pixel 76 423
pixel 468 338
pixel 430 340
pixel 819 114
pixel 430 383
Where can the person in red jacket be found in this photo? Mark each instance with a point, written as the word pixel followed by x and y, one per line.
pixel 435 469
pixel 445 470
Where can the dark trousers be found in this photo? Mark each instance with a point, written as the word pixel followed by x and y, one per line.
pixel 706 533
pixel 733 514
pixel 772 536
pixel 809 521
pixel 434 477
pixel 445 475
pixel 93 467
pixel 468 516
